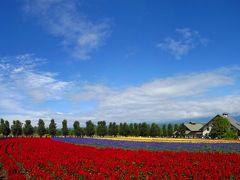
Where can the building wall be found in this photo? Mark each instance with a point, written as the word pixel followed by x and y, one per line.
pixel 207 129
pixel 196 134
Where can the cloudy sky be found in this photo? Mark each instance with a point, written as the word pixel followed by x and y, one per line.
pixel 123 61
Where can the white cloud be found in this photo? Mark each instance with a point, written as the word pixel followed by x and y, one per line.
pixel 62 18
pixel 194 95
pixel 19 74
pixel 88 92
pixel 174 98
pixel 40 86
pixel 23 85
pixel 183 43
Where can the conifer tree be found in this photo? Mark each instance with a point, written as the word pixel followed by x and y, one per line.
pixel 52 128
pixel 64 128
pixel 41 128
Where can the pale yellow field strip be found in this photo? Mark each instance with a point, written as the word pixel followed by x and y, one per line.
pixel 146 139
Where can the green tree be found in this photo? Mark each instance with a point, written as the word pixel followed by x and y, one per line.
pixel 83 130
pixel 126 131
pixel 170 130
pixel 231 134
pixel 35 130
pixel 154 130
pixel 16 128
pixel 109 131
pixel 181 131
pixel 164 130
pixel 136 129
pixel 28 129
pixel 90 129
pixel 220 128
pixel 77 129
pixel 41 130
pixel 160 131
pixel 47 130
pixel 52 128
pixel 112 129
pixel 7 129
pixel 121 129
pixel 175 128
pixel 144 129
pixel 65 130
pixel 59 132
pixel 71 132
pixel 115 129
pixel 2 126
pixel 131 129
pixel 101 128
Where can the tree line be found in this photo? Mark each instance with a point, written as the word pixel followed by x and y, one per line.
pixel 100 129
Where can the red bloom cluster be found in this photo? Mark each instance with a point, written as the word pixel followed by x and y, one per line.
pixel 8 166
pixel 43 158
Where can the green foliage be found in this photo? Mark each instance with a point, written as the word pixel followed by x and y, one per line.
pixel 16 128
pixel 52 130
pixel 136 129
pixel 58 132
pixel 131 129
pixel 231 134
pixel 2 126
pixel 71 132
pixel 89 130
pixel 220 126
pixel 160 131
pixel 41 130
pixel 124 129
pixel 181 131
pixel 83 130
pixel 35 130
pixel 175 129
pixel 170 130
pixel 77 130
pixel 154 130
pixel 120 129
pixel 28 129
pixel 101 128
pixel 164 131
pixel 65 130
pixel 113 129
pixel 144 129
pixel 47 130
pixel 7 129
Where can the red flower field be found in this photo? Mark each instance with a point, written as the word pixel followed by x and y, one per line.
pixel 43 158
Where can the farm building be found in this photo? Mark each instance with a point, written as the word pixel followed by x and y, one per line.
pixel 198 130
pixel 192 129
pixel 235 125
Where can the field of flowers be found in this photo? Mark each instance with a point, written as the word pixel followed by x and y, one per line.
pixel 154 146
pixel 44 158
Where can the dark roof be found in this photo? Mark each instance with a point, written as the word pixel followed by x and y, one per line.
pixel 194 126
pixel 231 120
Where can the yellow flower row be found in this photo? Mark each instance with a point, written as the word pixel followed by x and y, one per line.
pixel 183 140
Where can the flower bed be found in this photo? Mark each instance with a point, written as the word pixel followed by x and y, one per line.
pixel 156 146
pixel 44 158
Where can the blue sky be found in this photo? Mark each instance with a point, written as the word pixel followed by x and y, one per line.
pixel 124 61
